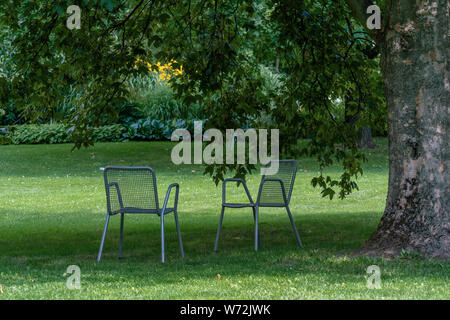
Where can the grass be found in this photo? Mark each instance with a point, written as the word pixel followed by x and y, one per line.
pixel 52 211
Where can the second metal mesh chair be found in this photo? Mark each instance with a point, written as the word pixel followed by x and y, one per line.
pixel 274 191
pixel 133 190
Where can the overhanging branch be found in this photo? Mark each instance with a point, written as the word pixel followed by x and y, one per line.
pixel 359 12
pixel 359 9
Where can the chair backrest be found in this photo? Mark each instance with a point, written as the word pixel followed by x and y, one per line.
pixel 271 192
pixel 137 187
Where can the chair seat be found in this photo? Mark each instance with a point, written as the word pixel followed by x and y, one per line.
pixel 140 210
pixel 246 205
pixel 238 205
pixel 277 205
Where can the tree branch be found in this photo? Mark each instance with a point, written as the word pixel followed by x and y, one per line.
pixel 359 9
pixel 124 21
pixel 359 12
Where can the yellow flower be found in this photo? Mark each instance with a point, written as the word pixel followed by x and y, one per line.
pixel 166 71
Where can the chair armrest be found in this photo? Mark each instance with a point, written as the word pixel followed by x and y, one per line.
pixel 166 199
pixel 237 180
pixel 283 190
pixel 119 195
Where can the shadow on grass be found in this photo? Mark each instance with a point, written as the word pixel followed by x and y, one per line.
pixel 78 234
pixel 40 257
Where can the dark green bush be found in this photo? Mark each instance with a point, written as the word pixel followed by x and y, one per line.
pixel 5 136
pixel 55 133
pixel 10 115
pixel 111 133
pixel 148 129
pixel 143 129
pixel 37 134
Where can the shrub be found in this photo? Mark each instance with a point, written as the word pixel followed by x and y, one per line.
pixel 55 133
pixel 148 129
pixel 111 133
pixel 128 114
pixel 5 136
pixel 36 134
pixel 144 129
pixel 10 115
pixel 156 100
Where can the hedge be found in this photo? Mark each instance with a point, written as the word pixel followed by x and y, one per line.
pixel 55 133
pixel 144 129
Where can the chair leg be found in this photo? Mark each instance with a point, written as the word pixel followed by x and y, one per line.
pixel 103 238
pixel 294 227
pixel 218 230
pixel 122 215
pixel 256 227
pixel 254 219
pixel 162 238
pixel 175 214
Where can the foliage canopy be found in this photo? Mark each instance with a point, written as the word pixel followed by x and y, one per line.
pixel 329 83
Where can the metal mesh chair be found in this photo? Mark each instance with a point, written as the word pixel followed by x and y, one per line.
pixel 274 191
pixel 133 190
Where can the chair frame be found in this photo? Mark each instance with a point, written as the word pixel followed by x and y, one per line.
pixel 160 212
pixel 256 205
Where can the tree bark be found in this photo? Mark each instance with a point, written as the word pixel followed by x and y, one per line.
pixel 277 60
pixel 365 140
pixel 415 65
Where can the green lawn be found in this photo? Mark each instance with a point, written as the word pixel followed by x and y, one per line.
pixel 52 211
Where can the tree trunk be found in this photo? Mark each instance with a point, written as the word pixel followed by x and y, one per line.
pixel 277 60
pixel 415 55
pixel 365 139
